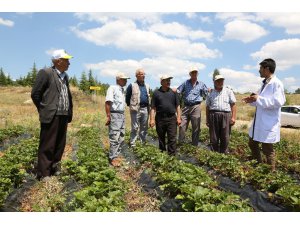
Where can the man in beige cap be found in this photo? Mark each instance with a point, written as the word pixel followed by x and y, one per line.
pixel 165 103
pixel 53 100
pixel 193 92
pixel 220 114
pixel 115 107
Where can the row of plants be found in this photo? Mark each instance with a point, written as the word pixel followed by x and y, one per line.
pixel 285 188
pixel 18 159
pixel 192 185
pixel 10 132
pixel 287 153
pixel 102 190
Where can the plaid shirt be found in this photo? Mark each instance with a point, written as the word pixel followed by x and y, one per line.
pixel 192 94
pixel 220 100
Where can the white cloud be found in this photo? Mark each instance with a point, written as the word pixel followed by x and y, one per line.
pixel 291 83
pixel 124 35
pixel 153 67
pixel 285 52
pixel 106 17
pixel 243 30
pixel 191 15
pixel 8 23
pixel 228 17
pixel 241 81
pixel 205 19
pixel 178 30
pixel 289 21
pixel 250 67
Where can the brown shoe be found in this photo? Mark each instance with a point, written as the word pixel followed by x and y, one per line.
pixel 115 162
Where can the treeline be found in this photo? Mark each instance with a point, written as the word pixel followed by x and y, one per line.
pixel 86 80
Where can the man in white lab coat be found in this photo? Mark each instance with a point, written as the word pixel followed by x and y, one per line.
pixel 265 128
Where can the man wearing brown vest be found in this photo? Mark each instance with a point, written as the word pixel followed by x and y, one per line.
pixel 137 98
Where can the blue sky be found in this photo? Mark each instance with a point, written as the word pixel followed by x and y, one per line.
pixel 159 42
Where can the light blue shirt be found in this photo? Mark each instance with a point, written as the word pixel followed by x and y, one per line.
pixel 61 75
pixel 193 94
pixel 116 95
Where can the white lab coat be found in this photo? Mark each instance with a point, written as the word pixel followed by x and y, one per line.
pixel 265 126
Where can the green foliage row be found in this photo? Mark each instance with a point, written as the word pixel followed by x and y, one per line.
pixel 10 132
pixel 189 183
pixel 259 176
pixel 102 190
pixel 13 165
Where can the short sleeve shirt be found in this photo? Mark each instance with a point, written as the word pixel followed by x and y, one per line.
pixel 220 100
pixel 165 101
pixel 115 94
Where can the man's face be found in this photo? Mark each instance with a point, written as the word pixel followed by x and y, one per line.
pixel 194 75
pixel 262 71
pixel 122 82
pixel 219 83
pixel 140 76
pixel 166 83
pixel 63 65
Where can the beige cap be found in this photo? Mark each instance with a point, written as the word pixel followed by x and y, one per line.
pixel 165 76
pixel 121 76
pixel 194 68
pixel 218 77
pixel 61 54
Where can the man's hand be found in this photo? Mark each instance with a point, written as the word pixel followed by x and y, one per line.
pixel 152 123
pixel 232 121
pixel 107 121
pixel 250 99
pixel 178 121
pixel 207 123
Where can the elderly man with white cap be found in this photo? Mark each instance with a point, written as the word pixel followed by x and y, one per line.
pixel 193 92
pixel 53 100
pixel 115 107
pixel 220 114
pixel 165 103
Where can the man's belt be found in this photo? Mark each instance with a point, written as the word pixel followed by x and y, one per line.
pixel 192 104
pixel 219 111
pixel 115 111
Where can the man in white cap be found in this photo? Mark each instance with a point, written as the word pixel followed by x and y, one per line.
pixel 53 100
pixel 193 92
pixel 165 103
pixel 220 114
pixel 137 98
pixel 265 128
pixel 115 107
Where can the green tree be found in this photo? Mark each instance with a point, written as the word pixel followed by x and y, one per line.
pixel 216 72
pixel 3 80
pixel 73 81
pixel 297 91
pixel 91 79
pixel 84 83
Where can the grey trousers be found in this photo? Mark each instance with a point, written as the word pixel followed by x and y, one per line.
pixel 193 114
pixel 116 134
pixel 219 130
pixel 139 125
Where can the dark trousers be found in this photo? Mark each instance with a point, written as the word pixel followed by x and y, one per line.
pixel 167 125
pixel 52 145
pixel 219 130
pixel 267 149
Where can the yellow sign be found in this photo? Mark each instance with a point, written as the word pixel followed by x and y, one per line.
pixel 95 88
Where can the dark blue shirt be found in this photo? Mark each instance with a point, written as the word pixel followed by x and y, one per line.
pixel 144 101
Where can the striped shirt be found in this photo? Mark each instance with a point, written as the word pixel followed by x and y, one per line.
pixel 192 94
pixel 220 101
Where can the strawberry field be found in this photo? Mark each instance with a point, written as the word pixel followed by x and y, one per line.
pixel 148 180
